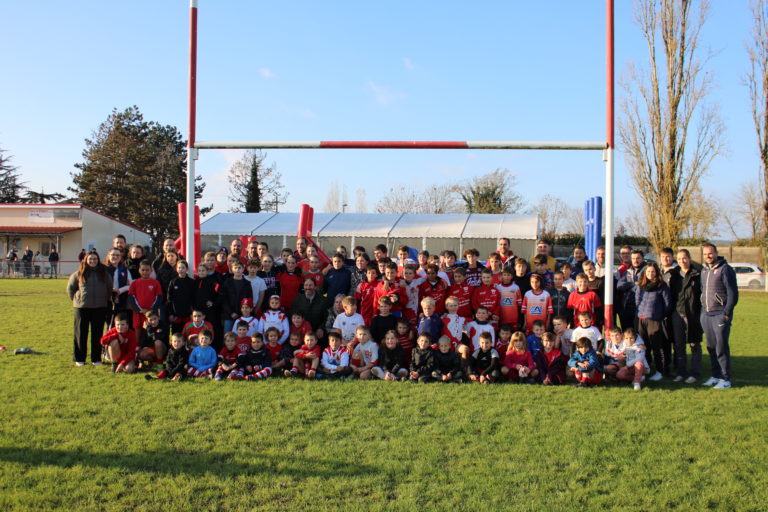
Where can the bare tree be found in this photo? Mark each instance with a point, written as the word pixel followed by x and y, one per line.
pixel 492 193
pixel 333 200
pixel 255 186
pixel 746 210
pixel 551 211
pixel 757 82
pixel 701 215
pixel 660 106
pixel 434 199
pixel 361 203
pixel 573 222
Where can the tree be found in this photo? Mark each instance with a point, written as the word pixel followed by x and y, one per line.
pixel 757 82
pixel 701 216
pixel 660 107
pixel 135 171
pixel 433 199
pixel 11 187
pixel 254 186
pixel 492 193
pixel 41 197
pixel 745 208
pixel 551 211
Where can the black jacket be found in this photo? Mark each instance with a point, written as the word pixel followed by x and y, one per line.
pixel 176 360
pixel 254 358
pixel 423 361
pixel 448 362
pixel 687 290
pixel 484 363
pixel 391 360
pixel 181 296
pixel 206 289
pixel 231 293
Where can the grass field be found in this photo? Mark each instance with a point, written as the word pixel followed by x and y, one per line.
pixel 85 439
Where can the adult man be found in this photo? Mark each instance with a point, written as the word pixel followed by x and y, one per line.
pixel 53 263
pixel 236 248
pixel 507 256
pixel 542 247
pixel 168 246
pixel 685 284
pixel 27 260
pixel 301 249
pixel 626 286
pixel 719 296
pixel 667 268
pixel 312 306
pixel 252 251
pixel 120 242
pixel 10 261
pixel 600 261
pixel 578 257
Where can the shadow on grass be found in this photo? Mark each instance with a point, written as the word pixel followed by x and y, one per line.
pixel 192 464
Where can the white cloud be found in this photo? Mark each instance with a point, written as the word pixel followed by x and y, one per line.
pixel 267 73
pixel 385 95
pixel 408 63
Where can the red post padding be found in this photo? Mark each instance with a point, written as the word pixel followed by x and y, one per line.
pixel 306 216
pixel 180 242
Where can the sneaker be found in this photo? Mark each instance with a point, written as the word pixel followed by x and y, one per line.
pixel 712 381
pixel 149 377
pixel 636 386
pixel 176 378
pixel 691 380
pixel 289 373
pixel 723 384
pixel 218 377
pixel 679 378
pixel 78 363
pixel 96 363
pixel 656 377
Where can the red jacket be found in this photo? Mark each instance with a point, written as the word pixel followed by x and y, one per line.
pixel 397 294
pixel 438 292
pixel 126 341
pixel 487 296
pixel 364 295
pixel 463 292
pixel 289 288
pixel 514 358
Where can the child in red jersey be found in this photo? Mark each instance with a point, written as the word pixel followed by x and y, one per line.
pixel 537 304
pixel 274 348
pixel 365 292
pixel 299 325
pixel 227 357
pixel 550 361
pixel 121 345
pixel 195 327
pixel 518 362
pixel 405 337
pixel 487 295
pixel 583 299
pixel 510 299
pixel 391 287
pixel 434 288
pixel 290 282
pixel 144 294
pixel 463 292
pixel 314 272
pixel 494 263
pixel 307 359
pixel 242 340
pixel 505 338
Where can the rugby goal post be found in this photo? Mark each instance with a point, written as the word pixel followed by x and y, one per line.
pixel 607 147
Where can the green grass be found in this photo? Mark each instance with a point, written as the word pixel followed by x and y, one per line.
pixel 84 439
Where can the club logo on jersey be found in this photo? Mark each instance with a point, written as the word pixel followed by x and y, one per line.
pixel 536 310
pixel 507 301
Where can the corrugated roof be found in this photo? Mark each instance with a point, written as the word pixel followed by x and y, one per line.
pixel 235 223
pixel 483 225
pixel 447 225
pixel 360 224
pixel 34 230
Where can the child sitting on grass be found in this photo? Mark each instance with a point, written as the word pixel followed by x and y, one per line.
pixel 636 366
pixel 255 364
pixel 274 348
pixel 585 365
pixel 391 359
pixel 227 357
pixel 287 353
pixel 447 362
pixel 422 360
pixel 306 360
pixel 502 343
pixel 550 361
pixel 484 367
pixel 121 345
pixel 203 359
pixel 405 338
pixel 366 354
pixel 154 343
pixel 615 358
pixel 585 329
pixel 242 340
pixel 518 361
pixel 176 361
pixel 335 359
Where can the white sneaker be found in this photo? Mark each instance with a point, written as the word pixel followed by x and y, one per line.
pixel 690 380
pixel 636 386
pixel 711 381
pixel 723 384
pixel 656 377
pixel 96 363
pixel 78 363
pixel 679 378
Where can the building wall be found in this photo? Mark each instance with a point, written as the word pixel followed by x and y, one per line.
pixel 98 232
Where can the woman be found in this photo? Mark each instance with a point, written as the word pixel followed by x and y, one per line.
pixel 121 282
pixel 135 255
pixel 653 304
pixel 166 272
pixel 90 289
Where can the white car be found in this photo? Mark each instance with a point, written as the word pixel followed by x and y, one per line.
pixel 749 275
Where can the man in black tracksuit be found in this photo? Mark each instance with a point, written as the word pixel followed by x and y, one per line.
pixel 685 286
pixel 719 296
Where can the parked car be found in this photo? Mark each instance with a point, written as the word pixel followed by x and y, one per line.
pixel 749 275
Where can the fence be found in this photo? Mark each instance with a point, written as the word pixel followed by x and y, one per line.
pixel 22 269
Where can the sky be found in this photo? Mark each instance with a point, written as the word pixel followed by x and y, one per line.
pixel 496 70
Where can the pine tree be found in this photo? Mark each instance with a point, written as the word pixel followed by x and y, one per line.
pixel 253 185
pixel 11 187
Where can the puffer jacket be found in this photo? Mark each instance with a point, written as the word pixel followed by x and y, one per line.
pixel 96 292
pixel 719 292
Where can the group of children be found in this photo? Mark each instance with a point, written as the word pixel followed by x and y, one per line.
pixel 424 322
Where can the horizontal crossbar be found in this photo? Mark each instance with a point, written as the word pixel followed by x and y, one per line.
pixel 398 144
